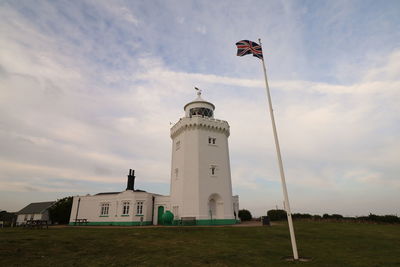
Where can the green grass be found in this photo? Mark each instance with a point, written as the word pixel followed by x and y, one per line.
pixel 328 243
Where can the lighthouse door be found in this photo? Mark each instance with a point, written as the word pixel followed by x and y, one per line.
pixel 215 207
pixel 160 214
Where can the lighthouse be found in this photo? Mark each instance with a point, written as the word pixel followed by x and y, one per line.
pixel 201 186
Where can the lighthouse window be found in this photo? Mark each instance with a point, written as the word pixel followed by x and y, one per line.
pixel 139 208
pixel 212 141
pixel 176 173
pixel 213 170
pixel 201 112
pixel 105 207
pixel 178 145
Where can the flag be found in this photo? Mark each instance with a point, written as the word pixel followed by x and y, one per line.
pixel 246 47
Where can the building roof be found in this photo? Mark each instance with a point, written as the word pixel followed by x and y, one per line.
pixel 37 207
pixel 115 193
pixel 107 193
pixel 199 99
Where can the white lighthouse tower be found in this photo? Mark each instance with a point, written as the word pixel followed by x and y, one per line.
pixel 201 186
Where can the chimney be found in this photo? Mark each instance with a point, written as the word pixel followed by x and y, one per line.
pixel 131 180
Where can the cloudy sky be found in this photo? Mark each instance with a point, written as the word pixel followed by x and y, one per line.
pixel 88 89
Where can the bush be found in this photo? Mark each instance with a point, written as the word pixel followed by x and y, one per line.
pixel 61 210
pixel 301 216
pixel 336 216
pixel 7 217
pixel 316 217
pixel 333 216
pixel 245 215
pixel 384 219
pixel 277 215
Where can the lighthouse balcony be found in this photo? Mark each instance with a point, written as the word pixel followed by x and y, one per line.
pixel 199 121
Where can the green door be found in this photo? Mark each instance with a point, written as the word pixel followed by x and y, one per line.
pixel 160 214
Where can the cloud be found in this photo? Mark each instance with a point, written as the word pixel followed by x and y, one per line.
pixel 201 29
pixel 88 91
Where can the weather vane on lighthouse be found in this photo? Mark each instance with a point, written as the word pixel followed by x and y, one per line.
pixel 198 91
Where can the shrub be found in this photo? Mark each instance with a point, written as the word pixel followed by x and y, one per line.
pixel 277 215
pixel 336 216
pixel 301 216
pixel 384 219
pixel 245 215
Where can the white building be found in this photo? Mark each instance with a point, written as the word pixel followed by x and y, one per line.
pixel 201 188
pixel 34 211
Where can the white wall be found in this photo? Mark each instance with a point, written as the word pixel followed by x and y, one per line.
pixel 90 207
pixel 192 189
pixel 33 216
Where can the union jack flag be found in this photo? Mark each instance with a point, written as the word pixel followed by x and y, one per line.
pixel 246 47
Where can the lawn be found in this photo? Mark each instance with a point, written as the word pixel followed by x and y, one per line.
pixel 327 243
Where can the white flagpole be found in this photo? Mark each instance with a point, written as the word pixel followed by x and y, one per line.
pixel 278 152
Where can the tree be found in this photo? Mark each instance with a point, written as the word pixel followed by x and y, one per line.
pixel 245 215
pixel 277 215
pixel 7 217
pixel 61 210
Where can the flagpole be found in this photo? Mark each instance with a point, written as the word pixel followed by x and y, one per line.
pixel 278 152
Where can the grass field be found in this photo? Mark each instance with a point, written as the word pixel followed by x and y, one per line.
pixel 327 243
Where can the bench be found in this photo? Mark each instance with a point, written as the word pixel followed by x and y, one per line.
pixel 36 224
pixel 186 221
pixel 81 221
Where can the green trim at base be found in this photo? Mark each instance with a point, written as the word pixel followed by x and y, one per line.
pixel 216 222
pixel 175 222
pixel 207 222
pixel 113 223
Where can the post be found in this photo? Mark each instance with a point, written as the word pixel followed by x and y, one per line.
pixel 77 210
pixel 278 152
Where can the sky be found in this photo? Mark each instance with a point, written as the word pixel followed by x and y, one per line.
pixel 89 89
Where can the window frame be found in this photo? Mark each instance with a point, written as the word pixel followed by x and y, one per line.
pixel 175 211
pixel 105 209
pixel 213 170
pixel 212 140
pixel 125 208
pixel 139 207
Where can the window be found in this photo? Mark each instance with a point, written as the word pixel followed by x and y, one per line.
pixel 176 173
pixel 125 208
pixel 26 217
pixel 139 208
pixel 105 207
pixel 213 170
pixel 201 112
pixel 175 211
pixel 178 145
pixel 212 140
pixel 31 216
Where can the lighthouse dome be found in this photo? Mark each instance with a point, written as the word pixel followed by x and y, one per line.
pixel 199 107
